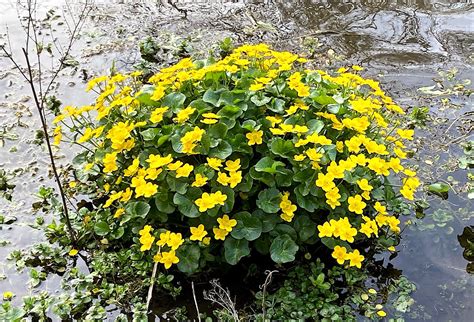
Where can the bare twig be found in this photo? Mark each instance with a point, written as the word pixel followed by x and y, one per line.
pixel 220 296
pixel 263 287
pixel 195 302
pixel 152 283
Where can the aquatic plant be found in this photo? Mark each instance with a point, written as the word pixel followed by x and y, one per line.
pixel 210 160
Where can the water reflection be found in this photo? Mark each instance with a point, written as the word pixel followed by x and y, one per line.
pixel 393 32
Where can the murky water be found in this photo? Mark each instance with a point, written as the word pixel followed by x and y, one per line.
pixel 402 43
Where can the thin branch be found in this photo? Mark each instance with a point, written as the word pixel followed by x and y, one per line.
pixel 195 302
pixel 152 283
pixel 50 150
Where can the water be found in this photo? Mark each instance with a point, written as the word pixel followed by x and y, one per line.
pixel 402 43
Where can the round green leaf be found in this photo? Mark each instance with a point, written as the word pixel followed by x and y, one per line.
pixel 248 226
pixel 235 249
pixel 269 200
pixel 189 256
pixel 283 249
pixel 137 209
pixel 101 228
pixel 186 206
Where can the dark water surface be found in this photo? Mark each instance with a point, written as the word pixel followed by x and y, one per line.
pixel 404 44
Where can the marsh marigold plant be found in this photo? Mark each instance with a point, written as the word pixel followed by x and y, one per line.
pixel 210 161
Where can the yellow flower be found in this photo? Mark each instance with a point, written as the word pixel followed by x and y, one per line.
pixel 132 169
pixel 274 120
pixel 256 87
pixel 232 166
pixel 325 230
pixel 199 180
pixel 8 295
pixel 254 137
pixel 184 114
pixel 110 162
pixel 157 161
pixel 406 134
pixel 88 133
pixel 126 195
pixel 175 240
pixel 355 258
pixel 58 135
pixel 235 178
pixel 220 234
pixel 381 313
pixel 119 212
pixel 226 223
pixel 157 115
pixel 206 241
pixel 339 254
pixel 325 181
pixel 313 155
pixel 184 170
pixel 299 157
pixel 174 166
pixel 146 189
pixel 211 116
pixel 164 238
pixel 347 233
pixel 198 233
pixel 223 178
pixel 168 259
pixel 335 170
pixel 214 163
pixel 356 204
pixel 380 208
pixel 73 252
pixel 146 239
pixel 152 174
pixel 364 185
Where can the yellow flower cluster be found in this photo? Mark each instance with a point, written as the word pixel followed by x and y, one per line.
pixel 148 144
pixel 210 200
pixel 287 207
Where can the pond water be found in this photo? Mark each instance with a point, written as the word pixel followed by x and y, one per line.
pixel 404 44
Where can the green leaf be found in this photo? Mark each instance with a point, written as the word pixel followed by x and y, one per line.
pixel 174 101
pixel 118 233
pixel 324 99
pixel 235 249
pixel 268 165
pixel 221 151
pixel 186 206
pixel 163 202
pixel 260 101
pixel 189 256
pixel 150 134
pixel 264 177
pixel 269 200
pixel 269 221
pixel 305 227
pixel 282 148
pixel 315 126
pixel 248 227
pixel 212 97
pixel 438 188
pixel 277 106
pixel 179 185
pixel 217 131
pixel 283 249
pixel 137 209
pixel 101 228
